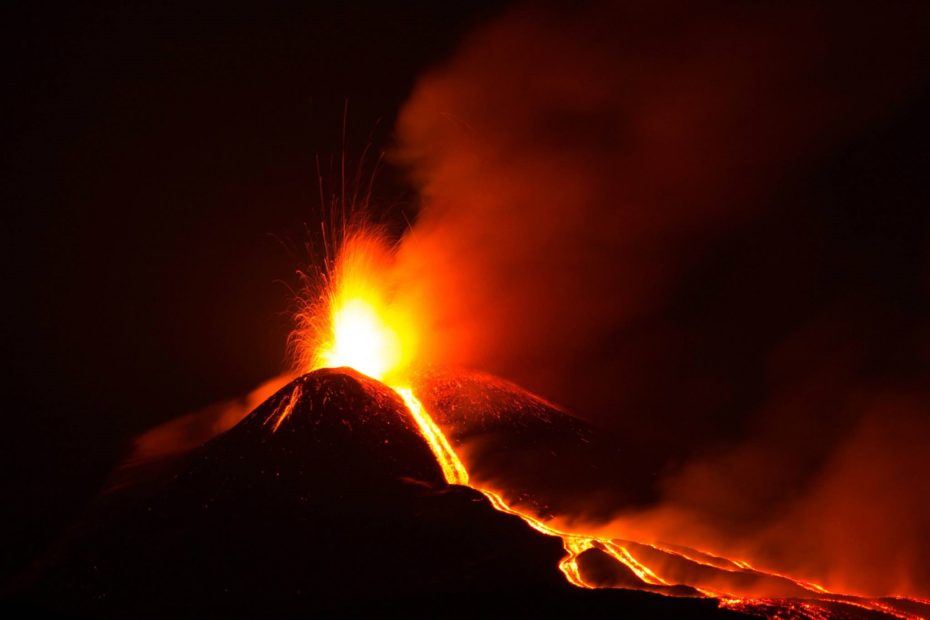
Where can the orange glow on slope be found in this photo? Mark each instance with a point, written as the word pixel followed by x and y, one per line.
pixel 286 410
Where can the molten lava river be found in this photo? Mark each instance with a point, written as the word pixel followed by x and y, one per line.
pixel 354 323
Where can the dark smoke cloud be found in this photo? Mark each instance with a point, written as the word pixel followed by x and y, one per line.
pixel 629 210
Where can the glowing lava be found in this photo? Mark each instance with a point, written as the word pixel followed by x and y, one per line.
pixel 452 468
pixel 362 340
pixel 354 322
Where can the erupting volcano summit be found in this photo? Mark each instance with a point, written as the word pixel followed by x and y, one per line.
pixel 339 494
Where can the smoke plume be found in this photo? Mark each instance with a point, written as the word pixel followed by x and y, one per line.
pixel 630 210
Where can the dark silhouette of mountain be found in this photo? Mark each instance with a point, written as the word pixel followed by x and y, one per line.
pixel 324 500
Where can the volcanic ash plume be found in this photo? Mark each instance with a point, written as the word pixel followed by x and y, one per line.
pixel 607 220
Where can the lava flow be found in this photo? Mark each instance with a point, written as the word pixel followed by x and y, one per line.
pixel 356 323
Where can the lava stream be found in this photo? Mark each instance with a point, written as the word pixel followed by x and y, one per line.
pixel 455 473
pixel 452 468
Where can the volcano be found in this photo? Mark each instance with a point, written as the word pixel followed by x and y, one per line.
pixel 323 500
